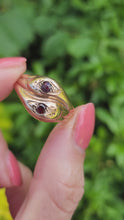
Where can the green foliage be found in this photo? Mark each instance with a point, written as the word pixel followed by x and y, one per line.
pixel 81 44
pixel 5 122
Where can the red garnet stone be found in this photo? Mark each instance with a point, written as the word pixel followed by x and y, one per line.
pixel 41 108
pixel 46 87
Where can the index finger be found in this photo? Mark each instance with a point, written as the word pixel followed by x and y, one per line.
pixel 10 71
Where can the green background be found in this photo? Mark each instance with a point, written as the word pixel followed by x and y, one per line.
pixel 81 45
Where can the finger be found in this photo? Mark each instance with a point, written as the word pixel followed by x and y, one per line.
pixel 10 175
pixel 16 195
pixel 58 180
pixel 9 170
pixel 10 71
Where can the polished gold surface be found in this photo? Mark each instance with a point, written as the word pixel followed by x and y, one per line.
pixel 43 98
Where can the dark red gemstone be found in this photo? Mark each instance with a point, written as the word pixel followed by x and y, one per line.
pixel 46 86
pixel 41 108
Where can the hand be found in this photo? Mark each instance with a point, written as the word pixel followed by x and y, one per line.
pixel 58 182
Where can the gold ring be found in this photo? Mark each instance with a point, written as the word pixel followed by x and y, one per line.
pixel 43 98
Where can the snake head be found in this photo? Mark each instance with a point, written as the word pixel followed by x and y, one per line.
pixel 43 98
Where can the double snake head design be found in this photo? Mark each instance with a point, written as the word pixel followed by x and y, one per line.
pixel 43 98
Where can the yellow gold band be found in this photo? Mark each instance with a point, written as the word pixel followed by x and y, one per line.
pixel 43 98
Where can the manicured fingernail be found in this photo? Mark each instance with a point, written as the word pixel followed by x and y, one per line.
pixel 13 170
pixel 84 125
pixel 11 61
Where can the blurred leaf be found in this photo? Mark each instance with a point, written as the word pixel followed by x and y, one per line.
pixel 17 33
pixel 81 46
pixel 57 43
pixel 45 25
pixel 38 68
pixel 6 123
pixel 105 117
pixel 117 150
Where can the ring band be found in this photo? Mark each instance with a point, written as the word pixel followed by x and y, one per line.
pixel 43 98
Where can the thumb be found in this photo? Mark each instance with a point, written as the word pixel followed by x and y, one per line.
pixel 58 182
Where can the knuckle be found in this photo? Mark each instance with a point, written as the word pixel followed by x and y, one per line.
pixel 68 191
pixel 66 198
pixel 71 195
pixel 72 176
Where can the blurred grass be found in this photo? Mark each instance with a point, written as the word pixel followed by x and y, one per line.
pixel 80 44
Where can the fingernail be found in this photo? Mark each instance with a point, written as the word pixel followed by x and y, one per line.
pixel 11 61
pixel 13 170
pixel 84 126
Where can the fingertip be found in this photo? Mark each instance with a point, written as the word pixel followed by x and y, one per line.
pixel 11 61
pixel 10 70
pixel 84 125
pixel 14 170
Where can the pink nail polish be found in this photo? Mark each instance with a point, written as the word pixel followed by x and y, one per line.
pixel 14 171
pixel 84 126
pixel 10 61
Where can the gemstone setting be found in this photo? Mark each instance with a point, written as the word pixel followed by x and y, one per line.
pixel 46 87
pixel 41 108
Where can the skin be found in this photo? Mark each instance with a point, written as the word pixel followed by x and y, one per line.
pixel 57 185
